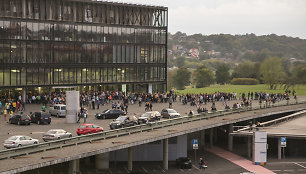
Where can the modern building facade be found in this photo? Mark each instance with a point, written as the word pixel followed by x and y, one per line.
pixel 82 43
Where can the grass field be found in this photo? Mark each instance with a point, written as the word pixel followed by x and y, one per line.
pixel 300 89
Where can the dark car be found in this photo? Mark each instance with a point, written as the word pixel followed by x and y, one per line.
pixel 41 117
pixel 110 113
pixel 20 119
pixel 123 121
pixel 183 163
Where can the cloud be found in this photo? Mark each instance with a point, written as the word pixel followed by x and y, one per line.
pixel 282 17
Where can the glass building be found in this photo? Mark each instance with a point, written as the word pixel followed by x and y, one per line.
pixel 87 44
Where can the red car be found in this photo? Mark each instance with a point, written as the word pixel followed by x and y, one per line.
pixel 85 129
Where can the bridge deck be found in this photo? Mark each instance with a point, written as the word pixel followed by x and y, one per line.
pixel 34 161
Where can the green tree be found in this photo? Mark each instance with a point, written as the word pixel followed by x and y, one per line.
pixel 272 71
pixel 181 78
pixel 203 77
pixel 246 69
pixel 180 62
pixel 222 74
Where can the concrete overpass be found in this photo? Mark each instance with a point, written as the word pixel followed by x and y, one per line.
pixel 101 148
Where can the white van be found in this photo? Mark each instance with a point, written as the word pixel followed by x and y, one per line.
pixel 58 110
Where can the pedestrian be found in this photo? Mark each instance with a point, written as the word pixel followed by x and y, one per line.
pixel 43 108
pixel 23 106
pixel 4 113
pixel 84 115
pixel 201 164
pixel 151 106
pixel 170 102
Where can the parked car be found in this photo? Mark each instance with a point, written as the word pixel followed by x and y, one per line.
pixel 89 129
pixel 41 117
pixel 150 116
pixel 110 113
pixel 19 140
pixel 20 119
pixel 170 113
pixel 56 134
pixel 59 110
pixel 183 163
pixel 123 121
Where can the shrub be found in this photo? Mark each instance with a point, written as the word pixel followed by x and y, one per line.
pixel 244 81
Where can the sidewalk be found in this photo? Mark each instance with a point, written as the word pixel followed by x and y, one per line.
pixel 240 161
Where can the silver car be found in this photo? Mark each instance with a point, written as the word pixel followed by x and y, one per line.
pixel 56 134
pixel 170 113
pixel 19 140
pixel 59 110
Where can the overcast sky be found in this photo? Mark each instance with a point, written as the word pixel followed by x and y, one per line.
pixel 261 17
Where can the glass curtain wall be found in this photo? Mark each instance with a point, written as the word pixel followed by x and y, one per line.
pixel 83 43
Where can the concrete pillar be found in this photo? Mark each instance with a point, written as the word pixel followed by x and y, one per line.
pixel 130 159
pixel 24 9
pixel 87 161
pixel 74 12
pixel 74 166
pixel 279 148
pixel 165 154
pixel 150 88
pixel 249 146
pixel 230 137
pixel 24 95
pixel 202 137
pixel 102 161
pixel 211 137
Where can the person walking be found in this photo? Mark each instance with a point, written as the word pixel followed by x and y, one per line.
pixel 201 164
pixel 5 114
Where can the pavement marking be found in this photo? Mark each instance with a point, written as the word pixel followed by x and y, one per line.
pixel 127 171
pixel 300 165
pixel 37 132
pixel 196 167
pixel 182 170
pixel 289 170
pixel 276 170
pixel 162 169
pixel 144 169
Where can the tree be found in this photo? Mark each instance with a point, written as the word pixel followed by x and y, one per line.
pixel 203 77
pixel 246 69
pixel 272 71
pixel 222 74
pixel 181 78
pixel 180 62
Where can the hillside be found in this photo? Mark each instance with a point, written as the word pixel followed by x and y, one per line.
pixel 235 48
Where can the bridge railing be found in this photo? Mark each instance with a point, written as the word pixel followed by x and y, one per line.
pixel 91 138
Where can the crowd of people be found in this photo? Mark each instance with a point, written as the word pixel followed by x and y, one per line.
pixel 121 100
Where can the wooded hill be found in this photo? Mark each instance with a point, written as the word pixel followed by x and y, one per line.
pixel 237 47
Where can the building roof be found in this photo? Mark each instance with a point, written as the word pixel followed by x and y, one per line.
pixel 121 4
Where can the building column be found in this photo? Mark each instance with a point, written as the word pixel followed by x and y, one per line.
pixel 74 12
pixel 150 88
pixel 24 95
pixel 202 137
pixel 279 149
pixel 130 159
pixel 74 166
pixel 250 146
pixel 165 154
pixel 230 137
pixel 24 9
pixel 102 161
pixel 211 137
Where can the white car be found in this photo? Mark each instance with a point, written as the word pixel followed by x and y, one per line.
pixel 56 134
pixel 19 140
